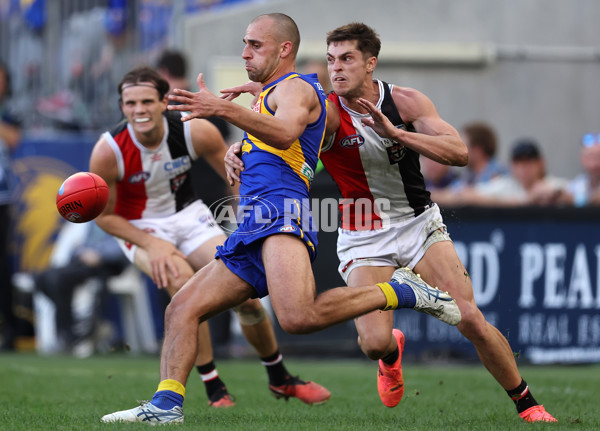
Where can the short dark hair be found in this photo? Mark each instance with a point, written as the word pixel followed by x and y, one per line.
pixel 483 136
pixel 526 149
pixel 145 74
pixel 367 39
pixel 174 62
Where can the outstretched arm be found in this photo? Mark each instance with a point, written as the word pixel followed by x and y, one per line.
pixel 251 87
pixel 294 102
pixel 435 138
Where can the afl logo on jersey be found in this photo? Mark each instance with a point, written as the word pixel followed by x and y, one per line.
pixel 138 177
pixel 353 141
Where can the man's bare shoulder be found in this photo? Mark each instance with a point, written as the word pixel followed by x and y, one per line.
pixel 407 94
pixel 410 102
pixel 103 160
pixel 102 148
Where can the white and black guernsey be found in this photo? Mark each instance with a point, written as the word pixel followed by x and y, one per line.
pixel 377 177
pixel 153 183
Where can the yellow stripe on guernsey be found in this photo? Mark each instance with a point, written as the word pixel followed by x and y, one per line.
pixel 294 155
pixel 299 225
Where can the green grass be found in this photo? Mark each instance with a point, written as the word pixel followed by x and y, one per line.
pixel 64 393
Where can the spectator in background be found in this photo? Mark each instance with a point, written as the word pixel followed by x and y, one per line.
pixel 528 183
pixel 172 66
pixel 10 137
pixel 584 190
pixel 97 48
pixel 79 91
pixel 482 143
pixel 437 175
pixel 23 28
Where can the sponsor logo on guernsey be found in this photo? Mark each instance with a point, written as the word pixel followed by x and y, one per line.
pixel 257 105
pixel 353 141
pixel 288 228
pixel 395 150
pixel 177 182
pixel 180 163
pixel 307 171
pixel 138 177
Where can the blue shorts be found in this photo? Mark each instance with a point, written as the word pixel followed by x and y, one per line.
pixel 242 251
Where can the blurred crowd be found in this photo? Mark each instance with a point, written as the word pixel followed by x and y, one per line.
pixel 525 181
pixel 67 57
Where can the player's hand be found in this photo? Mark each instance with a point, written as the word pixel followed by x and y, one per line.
pixel 233 163
pixel 378 122
pixel 202 104
pixel 251 87
pixel 160 256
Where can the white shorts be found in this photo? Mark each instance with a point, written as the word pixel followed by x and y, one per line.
pixel 401 244
pixel 188 229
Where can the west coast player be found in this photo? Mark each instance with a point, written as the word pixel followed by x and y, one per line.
pixel 162 227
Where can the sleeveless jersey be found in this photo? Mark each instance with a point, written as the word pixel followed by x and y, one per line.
pixel 288 173
pixel 153 183
pixel 377 177
pixel 275 186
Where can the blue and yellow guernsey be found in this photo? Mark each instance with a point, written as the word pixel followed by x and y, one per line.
pixel 274 196
pixel 269 170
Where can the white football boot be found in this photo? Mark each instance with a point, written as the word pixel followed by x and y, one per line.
pixel 148 413
pixel 430 300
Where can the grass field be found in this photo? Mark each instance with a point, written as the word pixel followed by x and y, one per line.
pixel 64 393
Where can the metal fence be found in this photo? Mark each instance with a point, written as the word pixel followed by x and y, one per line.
pixel 67 56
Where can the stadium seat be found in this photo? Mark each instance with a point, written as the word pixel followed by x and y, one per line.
pixel 134 304
pixel 136 312
pixel 130 287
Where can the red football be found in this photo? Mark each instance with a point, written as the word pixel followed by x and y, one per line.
pixel 82 197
